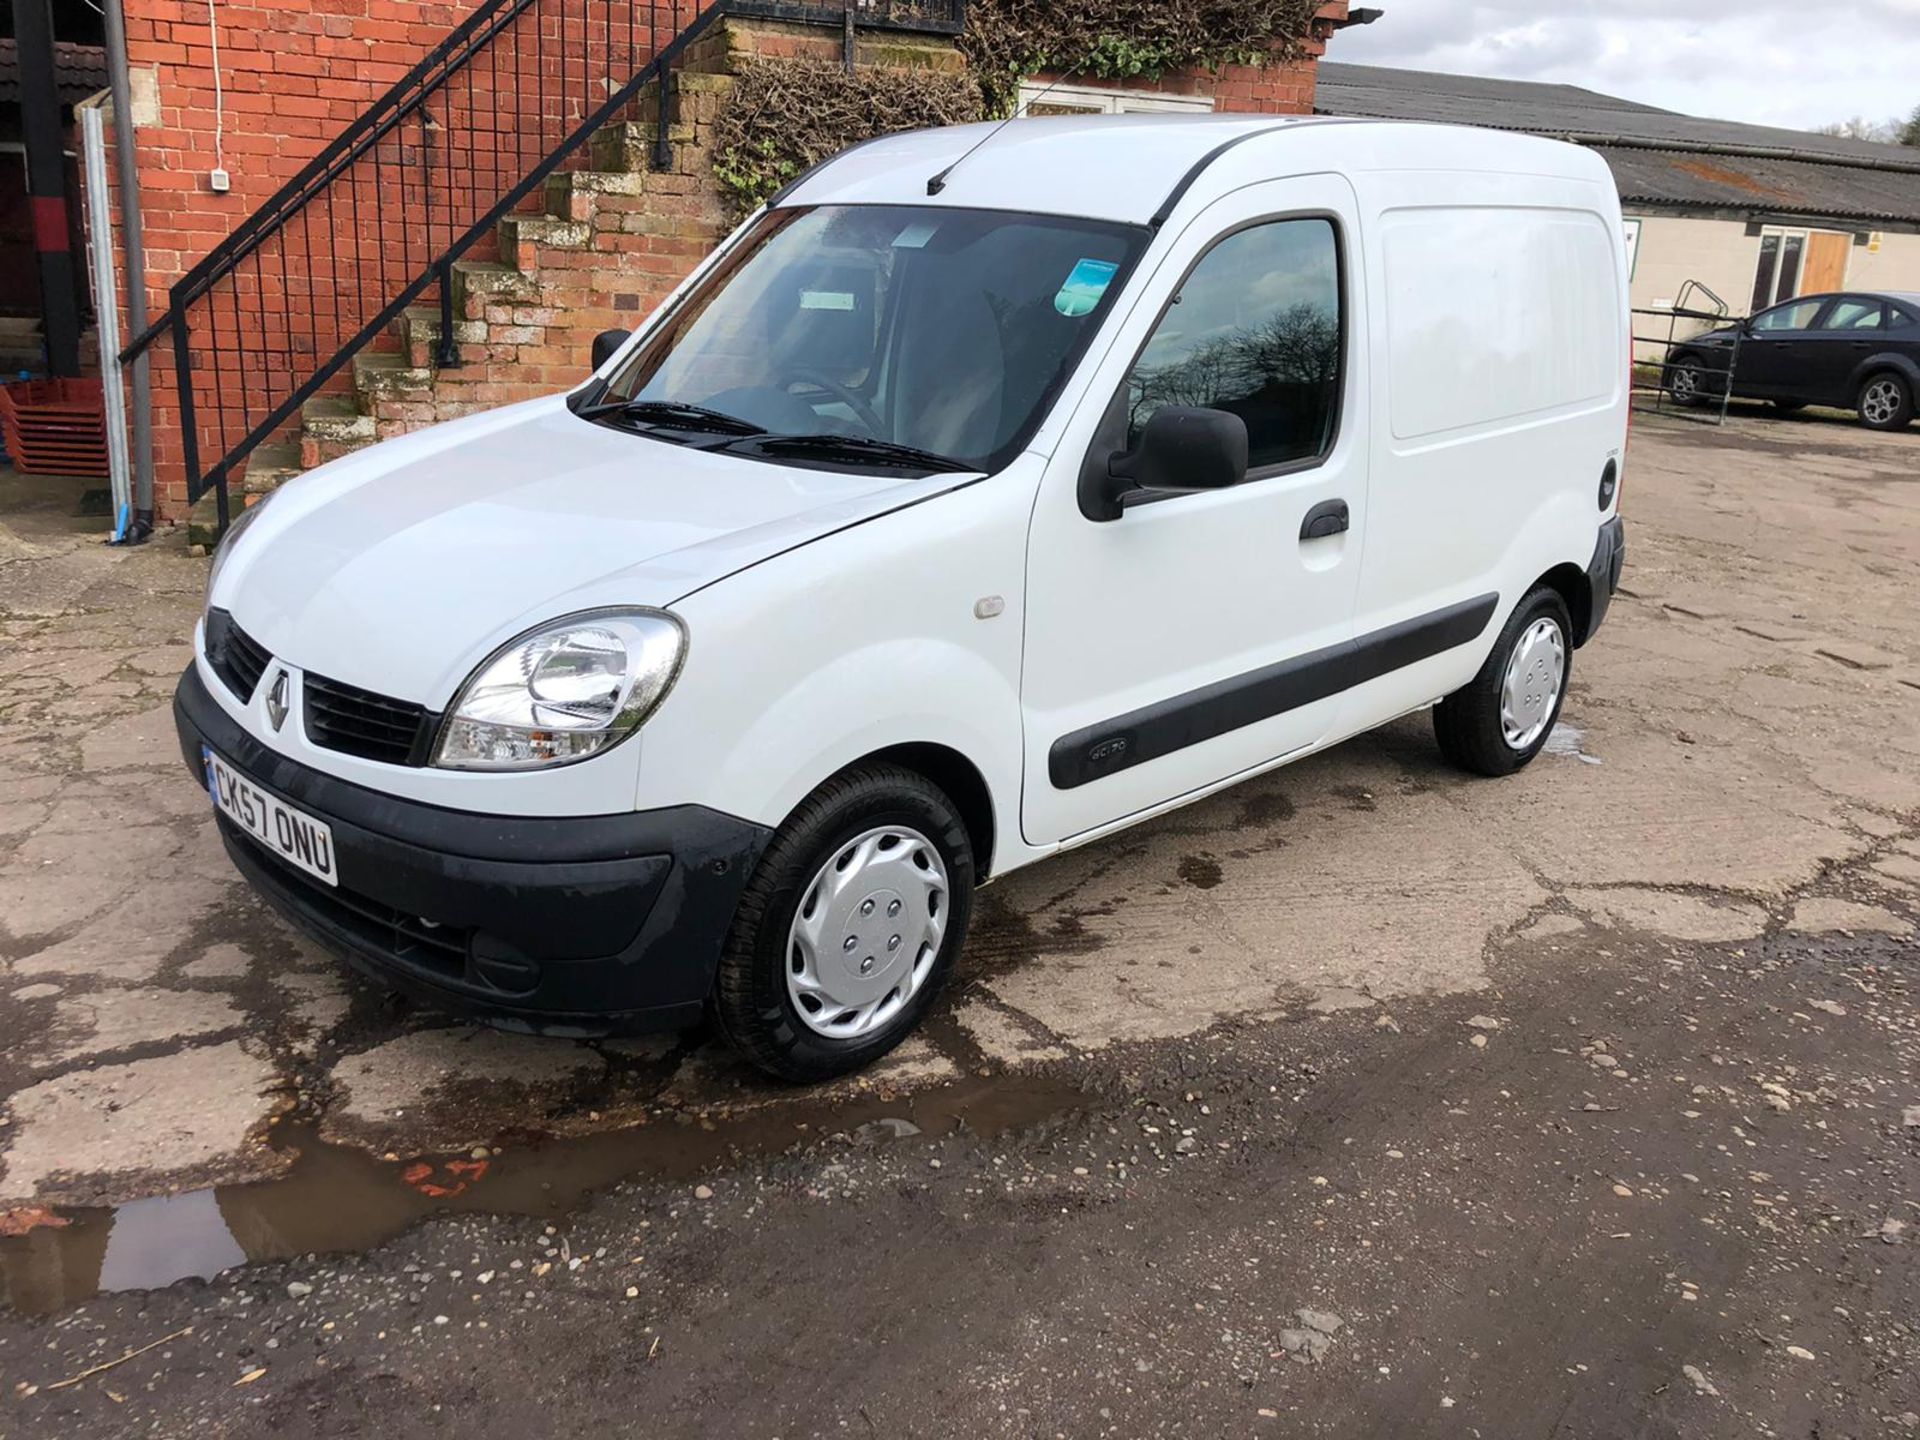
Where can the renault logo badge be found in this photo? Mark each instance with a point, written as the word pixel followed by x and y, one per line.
pixel 277 702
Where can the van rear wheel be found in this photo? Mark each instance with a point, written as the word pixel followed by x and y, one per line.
pixel 849 926
pixel 1501 720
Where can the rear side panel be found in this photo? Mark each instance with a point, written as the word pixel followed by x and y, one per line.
pixel 1500 394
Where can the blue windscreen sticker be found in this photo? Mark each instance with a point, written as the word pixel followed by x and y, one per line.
pixel 1084 287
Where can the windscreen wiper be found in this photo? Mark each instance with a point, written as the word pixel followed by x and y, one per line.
pixel 674 416
pixel 857 449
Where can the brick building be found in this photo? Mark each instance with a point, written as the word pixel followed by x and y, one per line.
pixel 362 216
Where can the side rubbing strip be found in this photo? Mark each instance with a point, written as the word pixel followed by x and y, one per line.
pixel 1229 705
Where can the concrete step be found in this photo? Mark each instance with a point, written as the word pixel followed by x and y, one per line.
pixel 332 426
pixel 270 467
pixel 628 144
pixel 478 283
pixel 388 376
pixel 518 232
pixel 418 330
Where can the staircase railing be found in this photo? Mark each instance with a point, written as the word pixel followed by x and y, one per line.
pixel 284 302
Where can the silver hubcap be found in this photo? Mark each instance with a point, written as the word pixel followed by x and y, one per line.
pixel 1534 676
pixel 867 932
pixel 1881 402
pixel 1685 384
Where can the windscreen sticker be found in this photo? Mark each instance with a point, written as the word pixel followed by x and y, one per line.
pixel 915 236
pixel 826 300
pixel 1084 287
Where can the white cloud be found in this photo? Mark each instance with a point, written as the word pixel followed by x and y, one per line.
pixel 1767 62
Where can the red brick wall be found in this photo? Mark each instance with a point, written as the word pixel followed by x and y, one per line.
pixel 1279 89
pixel 294 74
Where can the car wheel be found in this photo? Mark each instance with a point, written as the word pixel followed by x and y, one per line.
pixel 1687 383
pixel 1501 720
pixel 1886 402
pixel 849 926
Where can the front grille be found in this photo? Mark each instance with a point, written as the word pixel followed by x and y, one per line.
pixel 359 722
pixel 236 657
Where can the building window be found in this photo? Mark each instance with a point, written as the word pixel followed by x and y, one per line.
pixel 1037 98
pixel 1782 254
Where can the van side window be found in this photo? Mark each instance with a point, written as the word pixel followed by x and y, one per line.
pixel 1255 331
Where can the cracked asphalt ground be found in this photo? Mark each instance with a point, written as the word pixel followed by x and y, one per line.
pixel 1364 1099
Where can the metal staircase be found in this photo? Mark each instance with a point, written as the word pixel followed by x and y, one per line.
pixel 376 229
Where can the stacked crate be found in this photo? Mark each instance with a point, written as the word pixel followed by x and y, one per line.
pixel 55 427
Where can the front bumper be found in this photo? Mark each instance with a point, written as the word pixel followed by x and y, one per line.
pixel 578 925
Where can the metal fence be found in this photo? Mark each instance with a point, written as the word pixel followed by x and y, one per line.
pixel 1701 382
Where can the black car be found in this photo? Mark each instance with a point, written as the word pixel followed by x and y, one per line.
pixel 1855 351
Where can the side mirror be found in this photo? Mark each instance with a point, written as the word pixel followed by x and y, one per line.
pixel 1182 450
pixel 607 344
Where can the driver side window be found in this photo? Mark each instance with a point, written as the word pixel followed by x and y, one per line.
pixel 1255 330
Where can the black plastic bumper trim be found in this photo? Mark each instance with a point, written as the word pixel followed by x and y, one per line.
pixel 1227 705
pixel 1603 576
pixel 576 924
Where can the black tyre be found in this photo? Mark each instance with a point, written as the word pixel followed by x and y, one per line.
pixel 1886 402
pixel 1687 382
pixel 849 926
pixel 1500 721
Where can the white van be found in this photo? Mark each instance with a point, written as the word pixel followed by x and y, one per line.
pixel 987 493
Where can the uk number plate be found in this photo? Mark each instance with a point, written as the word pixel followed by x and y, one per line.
pixel 297 838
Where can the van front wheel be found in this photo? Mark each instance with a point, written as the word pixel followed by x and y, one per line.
pixel 1501 721
pixel 849 926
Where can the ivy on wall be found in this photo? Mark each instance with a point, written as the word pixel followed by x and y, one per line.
pixel 1008 40
pixel 783 116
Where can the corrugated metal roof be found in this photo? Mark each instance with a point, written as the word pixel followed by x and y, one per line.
pixel 1382 93
pixel 1658 156
pixel 1795 187
pixel 79 71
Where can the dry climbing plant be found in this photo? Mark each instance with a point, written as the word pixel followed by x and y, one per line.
pixel 1007 40
pixel 785 115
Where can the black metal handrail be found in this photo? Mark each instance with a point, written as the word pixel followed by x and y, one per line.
pixel 285 301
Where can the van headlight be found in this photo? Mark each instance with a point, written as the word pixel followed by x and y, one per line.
pixel 236 527
pixel 563 692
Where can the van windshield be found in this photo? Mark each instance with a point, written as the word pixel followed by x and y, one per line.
pixel 888 336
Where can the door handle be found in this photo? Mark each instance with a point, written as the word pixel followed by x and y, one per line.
pixel 1325 520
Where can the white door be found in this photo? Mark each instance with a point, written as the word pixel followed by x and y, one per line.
pixel 1202 635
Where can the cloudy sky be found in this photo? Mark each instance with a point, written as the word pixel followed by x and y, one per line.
pixel 1768 62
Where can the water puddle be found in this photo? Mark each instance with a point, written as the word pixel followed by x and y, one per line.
pixel 1566 741
pixel 338 1198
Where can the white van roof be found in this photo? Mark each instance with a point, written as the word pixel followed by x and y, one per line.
pixel 1134 167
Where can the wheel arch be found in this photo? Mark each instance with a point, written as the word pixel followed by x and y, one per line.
pixel 1575 588
pixel 1885 364
pixel 963 783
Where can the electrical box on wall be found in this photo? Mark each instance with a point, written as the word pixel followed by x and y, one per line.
pixel 220 181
